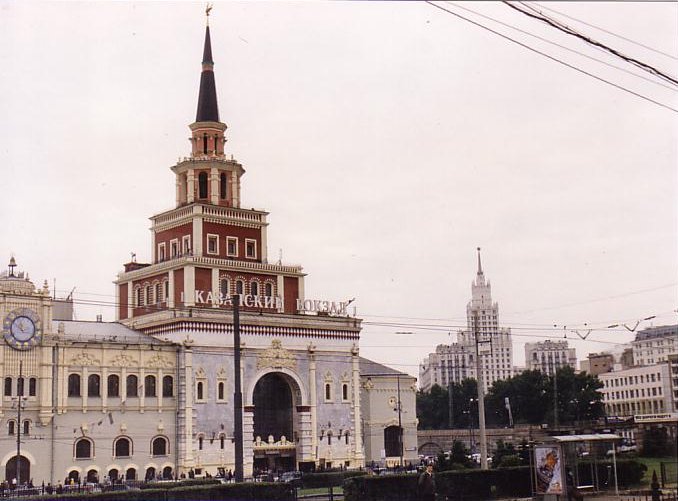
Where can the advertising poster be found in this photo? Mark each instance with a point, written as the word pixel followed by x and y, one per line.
pixel 547 462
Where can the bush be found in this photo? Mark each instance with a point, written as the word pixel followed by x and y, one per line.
pixel 327 479
pixel 629 472
pixel 381 487
pixel 240 492
pixel 456 485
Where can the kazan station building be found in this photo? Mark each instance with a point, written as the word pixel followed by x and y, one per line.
pixel 152 394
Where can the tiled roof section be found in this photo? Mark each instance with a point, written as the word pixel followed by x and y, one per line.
pixel 208 110
pixel 370 368
pixel 98 332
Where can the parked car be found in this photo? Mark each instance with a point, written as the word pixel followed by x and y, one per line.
pixel 291 477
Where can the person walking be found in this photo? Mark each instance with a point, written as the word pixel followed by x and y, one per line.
pixel 427 484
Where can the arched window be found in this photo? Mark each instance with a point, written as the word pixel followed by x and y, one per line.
pixel 254 288
pixel 148 293
pixel 131 474
pixel 27 427
pixel 328 391
pixel 167 473
pixel 225 287
pixel 204 147
pixel 329 438
pixel 268 288
pixel 167 386
pixel 149 386
pixel 113 475
pixel 122 447
pixel 132 386
pixel 166 293
pixel 220 390
pixel 158 293
pixel 75 475
pixel 346 437
pixel 74 385
pixel 32 387
pixel 8 386
pixel 202 185
pixel 201 390
pixel 11 425
pixel 92 476
pixel 392 440
pixel 222 186
pixel 239 287
pixel 159 447
pixel 20 386
pixel 222 441
pixel 201 441
pixel 150 473
pixel 83 448
pixel 93 385
pixel 139 300
pixel 344 391
pixel 113 385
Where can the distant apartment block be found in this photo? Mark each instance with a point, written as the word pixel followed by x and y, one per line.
pixel 638 390
pixel 549 356
pixel 655 344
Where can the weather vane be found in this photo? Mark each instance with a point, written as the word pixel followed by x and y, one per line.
pixel 207 11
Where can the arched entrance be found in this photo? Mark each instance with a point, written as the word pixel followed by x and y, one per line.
pixel 275 422
pixel 24 469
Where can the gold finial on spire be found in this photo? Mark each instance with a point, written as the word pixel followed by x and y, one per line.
pixel 208 8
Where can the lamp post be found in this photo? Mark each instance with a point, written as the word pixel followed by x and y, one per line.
pixel 20 402
pixel 400 424
pixel 481 396
pixel 237 397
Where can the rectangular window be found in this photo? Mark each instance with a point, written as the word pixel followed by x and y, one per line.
pixel 232 246
pixel 174 248
pixel 186 245
pixel 212 244
pixel 161 252
pixel 250 248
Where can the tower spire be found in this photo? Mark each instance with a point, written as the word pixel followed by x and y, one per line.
pixel 480 266
pixel 208 110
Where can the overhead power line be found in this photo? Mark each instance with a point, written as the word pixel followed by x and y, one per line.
pixel 606 31
pixel 617 86
pixel 566 29
pixel 546 40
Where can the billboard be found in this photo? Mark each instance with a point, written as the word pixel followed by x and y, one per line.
pixel 548 469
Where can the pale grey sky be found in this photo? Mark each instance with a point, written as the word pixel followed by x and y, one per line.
pixel 388 140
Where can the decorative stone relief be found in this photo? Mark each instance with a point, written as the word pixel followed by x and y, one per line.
pixel 276 357
pixel 84 359
pixel 122 360
pixel 158 361
pixel 221 373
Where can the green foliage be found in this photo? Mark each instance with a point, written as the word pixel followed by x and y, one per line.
pixel 629 472
pixel 460 484
pixel 531 395
pixel 501 452
pixel 656 443
pixel 383 487
pixel 433 407
pixel 327 479
pixel 259 491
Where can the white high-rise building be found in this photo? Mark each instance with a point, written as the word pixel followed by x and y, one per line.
pixel 456 361
pixel 549 356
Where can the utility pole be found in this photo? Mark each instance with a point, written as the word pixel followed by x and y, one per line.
pixel 237 397
pixel 450 392
pixel 400 424
pixel 555 396
pixel 20 397
pixel 481 397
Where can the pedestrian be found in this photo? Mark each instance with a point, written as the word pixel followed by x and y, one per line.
pixel 427 484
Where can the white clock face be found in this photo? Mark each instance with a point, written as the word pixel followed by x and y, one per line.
pixel 23 329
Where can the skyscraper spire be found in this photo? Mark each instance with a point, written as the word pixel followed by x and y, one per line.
pixel 480 267
pixel 208 110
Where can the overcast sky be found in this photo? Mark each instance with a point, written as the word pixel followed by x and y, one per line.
pixel 388 141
